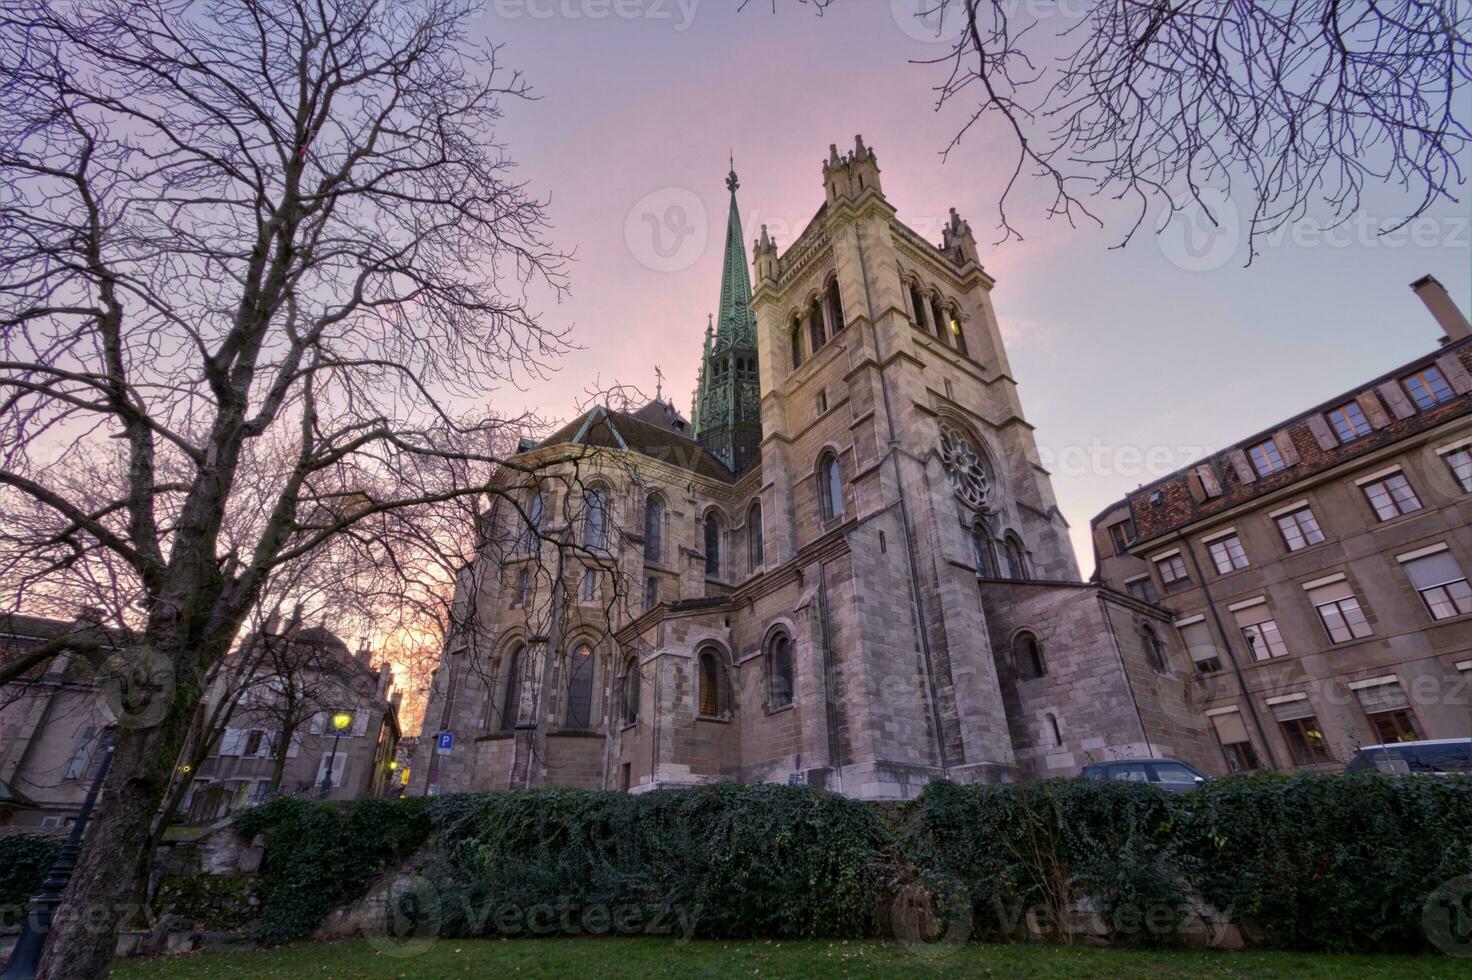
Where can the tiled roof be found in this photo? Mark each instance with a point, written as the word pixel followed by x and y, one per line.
pixel 603 427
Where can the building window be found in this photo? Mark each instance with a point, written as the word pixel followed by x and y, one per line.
pixel 835 306
pixel 511 688
pixel 830 487
pixel 1260 630
pixel 712 693
pixel 796 340
pixel 588 590
pixel 755 538
pixel 76 766
pixel 1015 565
pixel 1027 656
pixel 653 529
pixel 1427 387
pixel 1231 733
pixel 1154 650
pixel 1122 533
pixel 1441 584
pixel 1227 554
pixel 630 692
pixel 1340 612
pixel 1300 529
pixel 1349 422
pixel 1394 726
pixel 960 336
pixel 981 546
pixel 580 687
pixel 651 593
pixel 1053 729
pixel 1142 588
pixel 939 316
pixel 918 305
pixel 1196 638
pixel 253 743
pixel 815 326
pixel 1265 457
pixel 1173 572
pixel 779 671
pixel 821 401
pixel 531 535
pixel 1392 497
pixel 523 586
pixel 712 545
pixel 595 527
pixel 1305 741
pixel 1459 461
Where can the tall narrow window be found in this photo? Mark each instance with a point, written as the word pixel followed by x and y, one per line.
pixel 959 335
pixel 523 586
pixel 815 326
pixel 651 592
pixel 755 535
pixel 830 487
pixel 779 672
pixel 580 687
pixel 795 338
pixel 1012 556
pixel 530 535
pixel 981 547
pixel 1027 655
pixel 511 689
pixel 630 689
pixel 835 306
pixel 711 695
pixel 939 316
pixel 1459 461
pixel 1053 729
pixel 918 305
pixel 653 529
pixel 712 545
pixel 595 530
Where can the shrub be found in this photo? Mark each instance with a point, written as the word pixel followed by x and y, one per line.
pixel 1337 862
pixel 24 861
pixel 320 854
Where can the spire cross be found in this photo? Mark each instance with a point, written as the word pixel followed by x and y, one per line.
pixel 658 382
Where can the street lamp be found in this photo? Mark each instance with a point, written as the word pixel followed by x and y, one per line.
pixel 341 720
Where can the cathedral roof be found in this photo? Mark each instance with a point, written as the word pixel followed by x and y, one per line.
pixel 649 432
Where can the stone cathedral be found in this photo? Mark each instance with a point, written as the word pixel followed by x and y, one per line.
pixel 846 570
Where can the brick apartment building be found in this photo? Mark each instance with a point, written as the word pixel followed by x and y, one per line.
pixel 1317 572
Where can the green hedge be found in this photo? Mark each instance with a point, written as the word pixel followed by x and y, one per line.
pixel 1303 861
pixel 24 861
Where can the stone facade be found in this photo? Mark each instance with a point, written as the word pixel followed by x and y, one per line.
pixel 843 610
pixel 1317 572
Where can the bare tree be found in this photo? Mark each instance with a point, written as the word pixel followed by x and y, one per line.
pixel 1283 107
pixel 254 254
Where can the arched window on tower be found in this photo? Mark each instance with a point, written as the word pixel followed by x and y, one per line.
pixel 939 316
pixel 580 687
pixel 629 692
pixel 712 545
pixel 1027 656
pixel 830 487
pixel 1015 566
pixel 796 340
pixel 779 671
pixel 595 525
pixel 835 306
pixel 511 688
pixel 755 535
pixel 653 528
pixel 815 326
pixel 918 305
pixel 712 685
pixel 981 546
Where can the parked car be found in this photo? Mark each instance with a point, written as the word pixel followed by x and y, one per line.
pixel 1176 776
pixel 1437 756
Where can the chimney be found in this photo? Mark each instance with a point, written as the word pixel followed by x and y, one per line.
pixel 1451 320
pixel 385 676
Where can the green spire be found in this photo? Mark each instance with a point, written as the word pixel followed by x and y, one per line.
pixel 735 326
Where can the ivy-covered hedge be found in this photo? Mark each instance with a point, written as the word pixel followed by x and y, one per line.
pixel 1303 861
pixel 24 861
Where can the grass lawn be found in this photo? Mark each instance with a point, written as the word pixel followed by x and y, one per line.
pixel 588 959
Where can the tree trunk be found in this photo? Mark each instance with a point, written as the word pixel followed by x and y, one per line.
pixel 112 869
pixel 283 746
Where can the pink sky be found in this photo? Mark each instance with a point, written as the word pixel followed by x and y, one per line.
pixel 1128 364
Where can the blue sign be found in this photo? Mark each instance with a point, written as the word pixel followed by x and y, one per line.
pixel 444 742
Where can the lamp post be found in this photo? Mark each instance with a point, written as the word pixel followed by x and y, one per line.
pixel 26 956
pixel 340 722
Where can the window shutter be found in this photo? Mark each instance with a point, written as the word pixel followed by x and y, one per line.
pixel 1197 640
pixel 1382 697
pixel 1284 441
pixel 1455 374
pixel 1323 434
pixel 1230 728
pixel 1293 710
pixel 1432 570
pixel 1245 473
pixel 1193 483
pixel 1209 481
pixel 1373 409
pixel 1396 397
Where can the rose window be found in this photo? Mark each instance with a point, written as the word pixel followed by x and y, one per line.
pixel 965 467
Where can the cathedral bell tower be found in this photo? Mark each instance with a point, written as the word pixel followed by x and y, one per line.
pixel 727 415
